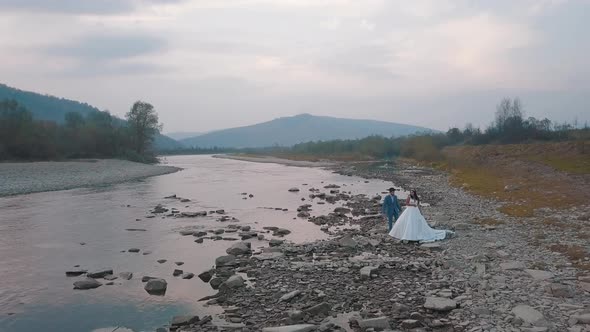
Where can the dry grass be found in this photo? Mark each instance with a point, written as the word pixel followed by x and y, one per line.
pixel 489 222
pixel 535 175
pixel 574 253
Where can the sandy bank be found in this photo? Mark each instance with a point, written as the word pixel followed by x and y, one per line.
pixel 24 178
pixel 274 160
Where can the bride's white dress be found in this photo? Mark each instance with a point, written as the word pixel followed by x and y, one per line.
pixel 412 226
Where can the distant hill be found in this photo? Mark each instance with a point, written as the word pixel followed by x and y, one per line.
pixel 288 131
pixel 45 107
pixel 50 108
pixel 182 135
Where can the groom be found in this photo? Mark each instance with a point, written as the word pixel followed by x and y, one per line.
pixel 391 208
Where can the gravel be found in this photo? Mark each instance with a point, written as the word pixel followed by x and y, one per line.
pixel 24 178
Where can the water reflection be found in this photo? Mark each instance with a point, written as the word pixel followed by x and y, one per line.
pixel 43 235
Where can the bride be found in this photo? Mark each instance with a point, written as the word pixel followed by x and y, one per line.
pixel 412 226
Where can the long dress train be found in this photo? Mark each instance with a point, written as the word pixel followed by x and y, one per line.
pixel 412 226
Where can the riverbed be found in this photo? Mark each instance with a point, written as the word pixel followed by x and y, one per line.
pixel 42 235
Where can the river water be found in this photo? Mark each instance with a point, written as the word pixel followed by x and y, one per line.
pixel 43 235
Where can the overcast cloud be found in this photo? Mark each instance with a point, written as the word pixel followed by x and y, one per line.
pixel 211 64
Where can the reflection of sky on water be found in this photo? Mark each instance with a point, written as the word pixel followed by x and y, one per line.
pixel 40 236
pixel 89 316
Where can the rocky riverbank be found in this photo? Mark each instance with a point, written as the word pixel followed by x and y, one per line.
pixel 25 178
pixel 275 160
pixel 496 274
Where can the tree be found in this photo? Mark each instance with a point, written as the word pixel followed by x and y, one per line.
pixel 74 120
pixel 144 124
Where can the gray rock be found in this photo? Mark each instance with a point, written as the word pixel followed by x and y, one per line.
pixel 281 232
pixel 539 274
pixel 432 246
pixel 188 275
pixel 239 248
pixel 528 314
pixel 559 290
pixel 193 214
pixel 368 271
pixel 303 214
pixel 216 282
pixel 179 263
pixel 178 321
pixel 75 273
pixel 245 228
pixel 322 308
pixel 347 242
pixel 156 286
pixel 229 260
pixel 87 283
pixel 439 304
pixel 410 324
pixel 161 261
pixel 294 189
pixel 187 232
pixel 379 323
pixel 99 273
pixel 234 281
pixel 207 275
pixel 289 296
pixel 147 278
pixel 582 318
pixel 291 328
pixel 126 275
pixel 177 272
pixel 110 277
pixel 275 242
pixel 513 265
pixel 134 250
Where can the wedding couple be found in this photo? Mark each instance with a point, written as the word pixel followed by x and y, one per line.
pixel 408 225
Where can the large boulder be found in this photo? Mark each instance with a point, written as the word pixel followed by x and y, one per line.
pixel 207 275
pixel 234 281
pixel 529 315
pixel 156 287
pixel 99 273
pixel 229 260
pixel 240 248
pixel 88 283
pixel 217 282
pixel 440 304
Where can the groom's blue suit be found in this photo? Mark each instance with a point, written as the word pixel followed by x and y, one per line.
pixel 391 209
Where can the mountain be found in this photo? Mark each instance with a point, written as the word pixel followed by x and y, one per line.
pixel 288 131
pixel 50 108
pixel 182 135
pixel 45 107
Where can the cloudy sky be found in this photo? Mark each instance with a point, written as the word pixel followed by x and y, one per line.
pixel 211 64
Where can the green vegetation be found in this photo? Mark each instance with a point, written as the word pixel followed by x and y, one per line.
pixel 95 135
pixel 509 127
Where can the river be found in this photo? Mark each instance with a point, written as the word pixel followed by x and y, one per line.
pixel 43 235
